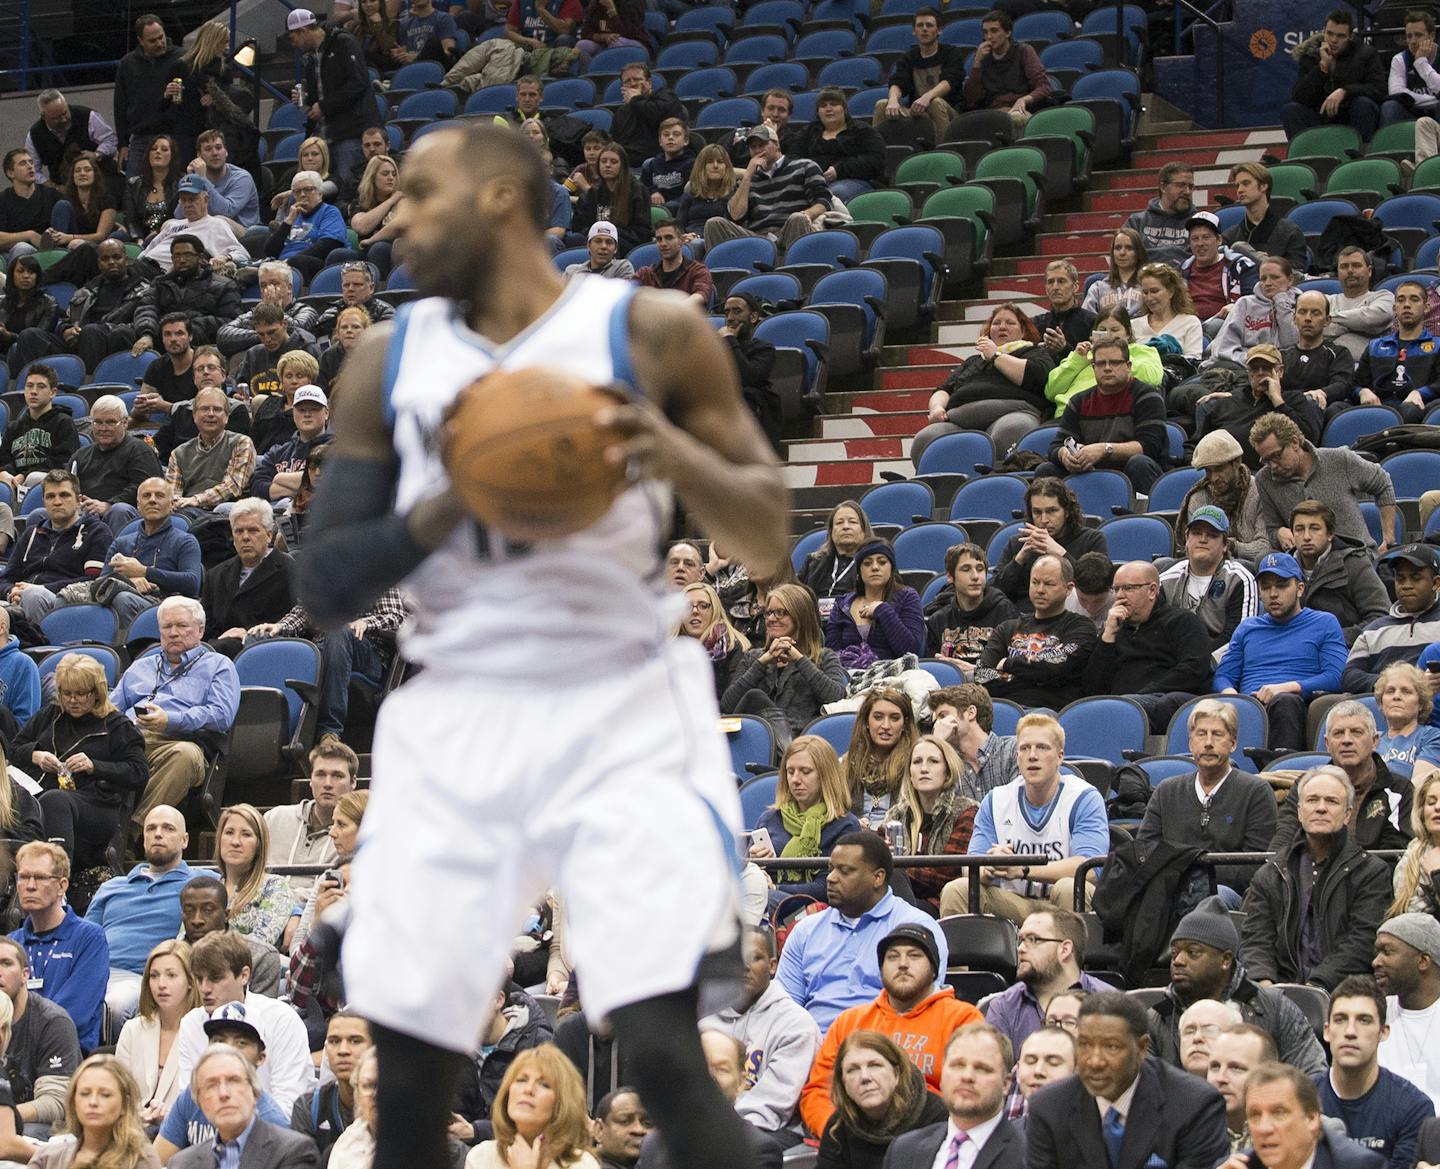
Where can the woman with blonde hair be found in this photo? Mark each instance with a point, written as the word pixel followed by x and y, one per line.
pixel 102 1127
pixel 147 1042
pixel 937 816
pixel 372 215
pixel 712 182
pixel 1415 881
pixel 794 675
pixel 88 758
pixel 811 812
pixel 1408 744
pixel 708 623
pixel 260 903
pixel 313 155
pixel 878 758
pixel 204 62
pixel 539 1116
pixel 878 1094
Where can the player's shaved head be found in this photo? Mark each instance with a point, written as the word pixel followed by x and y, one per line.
pixel 499 154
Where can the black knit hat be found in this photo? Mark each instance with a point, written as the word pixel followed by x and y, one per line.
pixel 875 548
pixel 914 935
pixel 1209 923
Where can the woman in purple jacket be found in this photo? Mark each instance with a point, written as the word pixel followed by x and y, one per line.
pixel 880 620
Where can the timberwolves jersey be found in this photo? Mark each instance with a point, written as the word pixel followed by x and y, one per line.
pixel 584 604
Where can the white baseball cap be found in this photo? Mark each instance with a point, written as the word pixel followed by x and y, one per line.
pixel 299 18
pixel 312 394
pixel 603 227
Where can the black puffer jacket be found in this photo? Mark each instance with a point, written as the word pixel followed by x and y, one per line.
pixel 210 301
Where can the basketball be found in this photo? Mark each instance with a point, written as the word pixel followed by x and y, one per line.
pixel 525 455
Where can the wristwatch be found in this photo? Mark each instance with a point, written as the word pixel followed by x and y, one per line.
pixel 1109 449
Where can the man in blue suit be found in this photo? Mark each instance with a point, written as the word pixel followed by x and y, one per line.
pixel 1123 1109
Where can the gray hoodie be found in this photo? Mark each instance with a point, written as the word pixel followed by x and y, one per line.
pixel 1166 237
pixel 781 1041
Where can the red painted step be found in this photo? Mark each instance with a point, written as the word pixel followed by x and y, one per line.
pixel 924 355
pixel 1126 201
pixel 1124 181
pixel 917 377
pixel 1030 285
pixel 1191 140
pixel 1074 243
pixel 893 399
pixel 844 474
pixel 1101 221
pixel 855 448
pixel 901 424
pixel 1199 159
pixel 1088 260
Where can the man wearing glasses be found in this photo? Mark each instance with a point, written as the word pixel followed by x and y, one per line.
pixel 357 290
pixel 112 467
pixel 1119 424
pixel 69 957
pixel 309 230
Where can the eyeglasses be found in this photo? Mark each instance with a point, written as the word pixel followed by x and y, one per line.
pixel 34 878
pixel 1033 940
pixel 304 190
pixel 1130 588
pixel 1209 1030
pixel 702 606
pixel 1110 364
pixel 77 693
pixel 776 613
pixel 94 422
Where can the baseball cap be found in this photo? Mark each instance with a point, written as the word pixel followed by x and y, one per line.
pixel 1204 218
pixel 763 130
pixel 299 18
pixel 1420 555
pixel 1264 353
pixel 1211 515
pixel 1280 564
pixel 603 227
pixel 231 1017
pixel 312 394
pixel 914 935
pixel 1216 449
pixel 193 185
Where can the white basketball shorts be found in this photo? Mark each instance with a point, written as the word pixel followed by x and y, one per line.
pixel 615 791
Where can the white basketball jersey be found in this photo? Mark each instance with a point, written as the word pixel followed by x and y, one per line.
pixel 585 604
pixel 1051 838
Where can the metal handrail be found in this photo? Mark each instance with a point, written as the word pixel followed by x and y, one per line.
pixel 929 861
pixel 1215 26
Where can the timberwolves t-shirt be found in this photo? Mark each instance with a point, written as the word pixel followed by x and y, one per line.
pixel 1386 1119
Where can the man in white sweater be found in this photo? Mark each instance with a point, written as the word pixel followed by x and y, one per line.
pixel 195 219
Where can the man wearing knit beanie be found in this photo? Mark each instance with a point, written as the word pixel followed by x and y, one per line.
pixel 1204 964
pixel 1407 968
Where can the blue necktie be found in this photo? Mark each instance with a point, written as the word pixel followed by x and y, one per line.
pixel 1113 1131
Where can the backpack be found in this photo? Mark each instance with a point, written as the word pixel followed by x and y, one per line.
pixel 1411 436
pixel 1354 231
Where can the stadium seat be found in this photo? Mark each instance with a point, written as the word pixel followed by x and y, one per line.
pixel 1102 491
pixel 835 729
pixel 802 344
pixel 613 60
pixel 850 73
pixel 1104 728
pixel 876 211
pixel 707 85
pixel 1391 283
pixel 1007 714
pixel 921 175
pixel 427 106
pixel 1113 96
pixel 816 49
pixel 752 742
pixel 1395 141
pixel 122 367
pixel 1312 218
pixel 279 692
pixel 913 264
pixel 954 458
pixel 1426 179
pixel 1039 439
pixel 806 544
pixel 1292 183
pixel 854 303
pixel 711 20
pixel 818 254
pixel 288 148
pixel 782 75
pixel 1063 125
pixel 999 540
pixel 1366 182
pixel 1411 220
pixel 1159 768
pixel 1102 24
pixel 782 17
pixel 1169 491
pixel 1071 60
pixel 1047 26
pixel 1137 537
pixel 757 50
pixel 104 654
pixel 76 623
pixel 922 548
pixel 1323 148
pixel 989 504
pixel 964 217
pixel 687 55
pixel 836 14
pixel 756 797
pixel 891 39
pixel 981 941
pixel 69 369
pixel 413 78
pixel 736 258
pixel 776 288
pixel 77 406
pixel 963 34
pixel 945 672
pixel 902 504
pixel 720 118
pixel 286 116
pixel 1254 727
pixel 1427 257
pixel 1348 425
pixel 567 93
pixel 861 105
pixel 1017 176
pixel 1413 472
pixel 937 586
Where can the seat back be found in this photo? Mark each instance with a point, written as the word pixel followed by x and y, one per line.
pixel 828 44
pixel 730 111
pixel 741 253
pixel 752 741
pixel 269 664
pixel 1104 727
pixel 1296 182
pixel 922 548
pixel 888 207
pixel 824 247
pixel 1413 472
pixel 898 503
pixel 1137 537
pixel 981 941
pixel 786 75
pixel 688 55
pixel 124 367
pixel 1349 425
pixel 994 497
pixel 941 167
pixel 957 454
pixel 1024 163
pixel 1254 727
pixel 712 84
pixel 109 661
pixel 1312 218
pixel 1325 142
pixel 849 73
pixel 74 623
pixel 835 729
pixel 429 104
pixel 1168 492
pixel 775 287
pixel 806 544
pixel 756 797
pixel 757 50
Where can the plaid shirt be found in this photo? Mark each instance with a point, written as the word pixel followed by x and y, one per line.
pixel 307 969
pixel 386 615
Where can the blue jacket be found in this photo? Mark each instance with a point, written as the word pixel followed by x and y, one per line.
pixel 46 557
pixel 19 681
pixel 72 966
pixel 1309 649
pixel 1377 367
pixel 1399 636
pixel 290 455
pixel 138 913
pixel 171 557
pixel 325 222
pixel 897 629
pixel 779 838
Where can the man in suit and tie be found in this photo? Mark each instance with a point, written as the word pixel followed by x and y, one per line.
pixel 227 1089
pixel 1282 1108
pixel 972 1084
pixel 1124 1110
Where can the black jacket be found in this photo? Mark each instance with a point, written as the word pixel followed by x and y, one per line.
pixel 209 301
pixel 754 362
pixel 1349 902
pixel 857 152
pixel 1389 795
pixel 1344 582
pixel 840 1148
pixel 824 577
pixel 140 82
pixel 1274 235
pixel 1044 659
pixel 950 632
pixel 267 595
pixel 113 743
pixel 1170 653
pixel 637 124
pixel 109 303
pixel 1359 70
pixel 918 1148
pixel 592 205
pixel 1076 323
pixel 115 475
pixel 1013 578
pixel 1135 899
pixel 1176 1120
pixel 480 1080
pixel 337 70
pixel 1329 367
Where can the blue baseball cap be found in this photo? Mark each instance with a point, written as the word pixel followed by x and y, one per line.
pixel 193 185
pixel 1211 515
pixel 1280 564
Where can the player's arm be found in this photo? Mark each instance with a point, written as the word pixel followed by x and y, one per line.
pixel 356 547
pixel 707 442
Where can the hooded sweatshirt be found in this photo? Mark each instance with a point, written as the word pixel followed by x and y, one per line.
pixel 781 1040
pixel 920 1033
pixel 1344 582
pixel 46 557
pixel 951 632
pixel 1167 239
pixel 1169 653
pixel 1256 320
pixel 19 681
pixel 40 444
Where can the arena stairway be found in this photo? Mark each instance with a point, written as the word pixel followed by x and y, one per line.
pixel 868 432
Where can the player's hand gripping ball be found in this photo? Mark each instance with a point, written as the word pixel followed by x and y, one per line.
pixel 525 455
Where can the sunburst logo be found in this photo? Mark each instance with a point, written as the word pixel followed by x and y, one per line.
pixel 1262 44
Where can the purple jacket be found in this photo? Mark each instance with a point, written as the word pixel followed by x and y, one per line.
pixel 1016 1012
pixel 898 627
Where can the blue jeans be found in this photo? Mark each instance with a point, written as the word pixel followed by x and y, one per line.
pixel 63 217
pixel 139 147
pixel 847 189
pixel 343 655
pixel 347 159
pixel 1361 113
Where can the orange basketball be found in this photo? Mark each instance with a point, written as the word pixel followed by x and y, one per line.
pixel 525 455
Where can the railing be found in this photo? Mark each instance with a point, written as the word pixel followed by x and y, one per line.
pixel 942 861
pixel 1198 14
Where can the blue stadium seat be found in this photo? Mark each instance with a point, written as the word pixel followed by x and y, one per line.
pixel 837 13
pixel 1391 283
pixel 1348 425
pixel 567 93
pixel 1113 96
pixel 1137 537
pixel 570 256
pixel 1044 26
pixel 784 16
pixel 399 280
pixel 1410 219
pixel 753 741
pixel 854 303
pixel 729 113
pixel 1428 255
pixel 756 797
pixel 802 343
pixel 781 75
pixel 835 729
pixel 861 105
pixel 826 44
pixel 493 99
pixel 937 585
pixel 1007 714
pixel 922 548
pixel 596 119
pixel 994 497
pixel 912 259
pixel 145 627
pixel 608 61
pixel 806 544
pixel 74 623
pixel 894 38
pixel 688 55
pixel 851 73
pixel 1313 217
pixel 779 288
pixel 1104 728
pixel 815 255
pixel 1370 513
pixel 647 255
pixel 995 549
pixel 736 258
pixel 904 503
pixel 122 367
pixel 1159 768
pixel 414 77
pixel 1101 22
pixel 428 106
pixel 287 116
pixel 1229 216
pixel 1254 727
pixel 964 34
pixel 1169 491
pixel 958 454
pixel 69 369
pixel 107 657
pixel 707 84
pixel 1079 56
pixel 1413 472
pixel 1039 439
pixel 945 672
pixel 273 664
pixel 1101 492
pixel 712 19
pixel 288 148
pixel 74 403
pixel 760 50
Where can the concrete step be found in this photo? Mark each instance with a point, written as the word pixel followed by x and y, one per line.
pixel 1217 139
pixel 1202 158
pixel 920 377
pixel 853 473
pixel 869 424
pixel 896 399
pixel 843 451
pixel 1073 243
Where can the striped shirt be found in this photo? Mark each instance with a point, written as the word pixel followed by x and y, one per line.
pixel 792 185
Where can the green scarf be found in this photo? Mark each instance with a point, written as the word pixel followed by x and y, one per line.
pixel 804 828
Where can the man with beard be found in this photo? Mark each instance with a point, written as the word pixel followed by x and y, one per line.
pixel 754 360
pixel 1228 486
pixel 1407 970
pixel 1209 582
pixel 1285 655
pixel 972 1084
pixel 1164 224
pixel 1053 526
pixel 1050 949
pixel 1358 315
pixel 780 1040
pixel 964 616
pixel 141 909
pixel 1203 966
pixel 1340 577
pixel 1312 910
pixel 620 1127
pixel 910 1010
pixel 1234 1053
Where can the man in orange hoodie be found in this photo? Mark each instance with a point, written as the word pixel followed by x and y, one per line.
pixel 909 1010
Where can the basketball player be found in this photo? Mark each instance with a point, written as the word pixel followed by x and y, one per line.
pixel 557 734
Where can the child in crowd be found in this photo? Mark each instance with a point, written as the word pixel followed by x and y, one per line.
pixel 585 174
pixel 665 174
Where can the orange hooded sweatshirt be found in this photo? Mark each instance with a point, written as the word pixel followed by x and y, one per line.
pixel 921 1033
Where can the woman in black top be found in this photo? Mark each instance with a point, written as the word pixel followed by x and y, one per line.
pixel 206 61
pixel 879 1095
pixel 712 182
pixel 92 204
pixel 88 758
pixel 150 198
pixel 615 196
pixel 25 306
pixel 850 153
pixel 830 571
